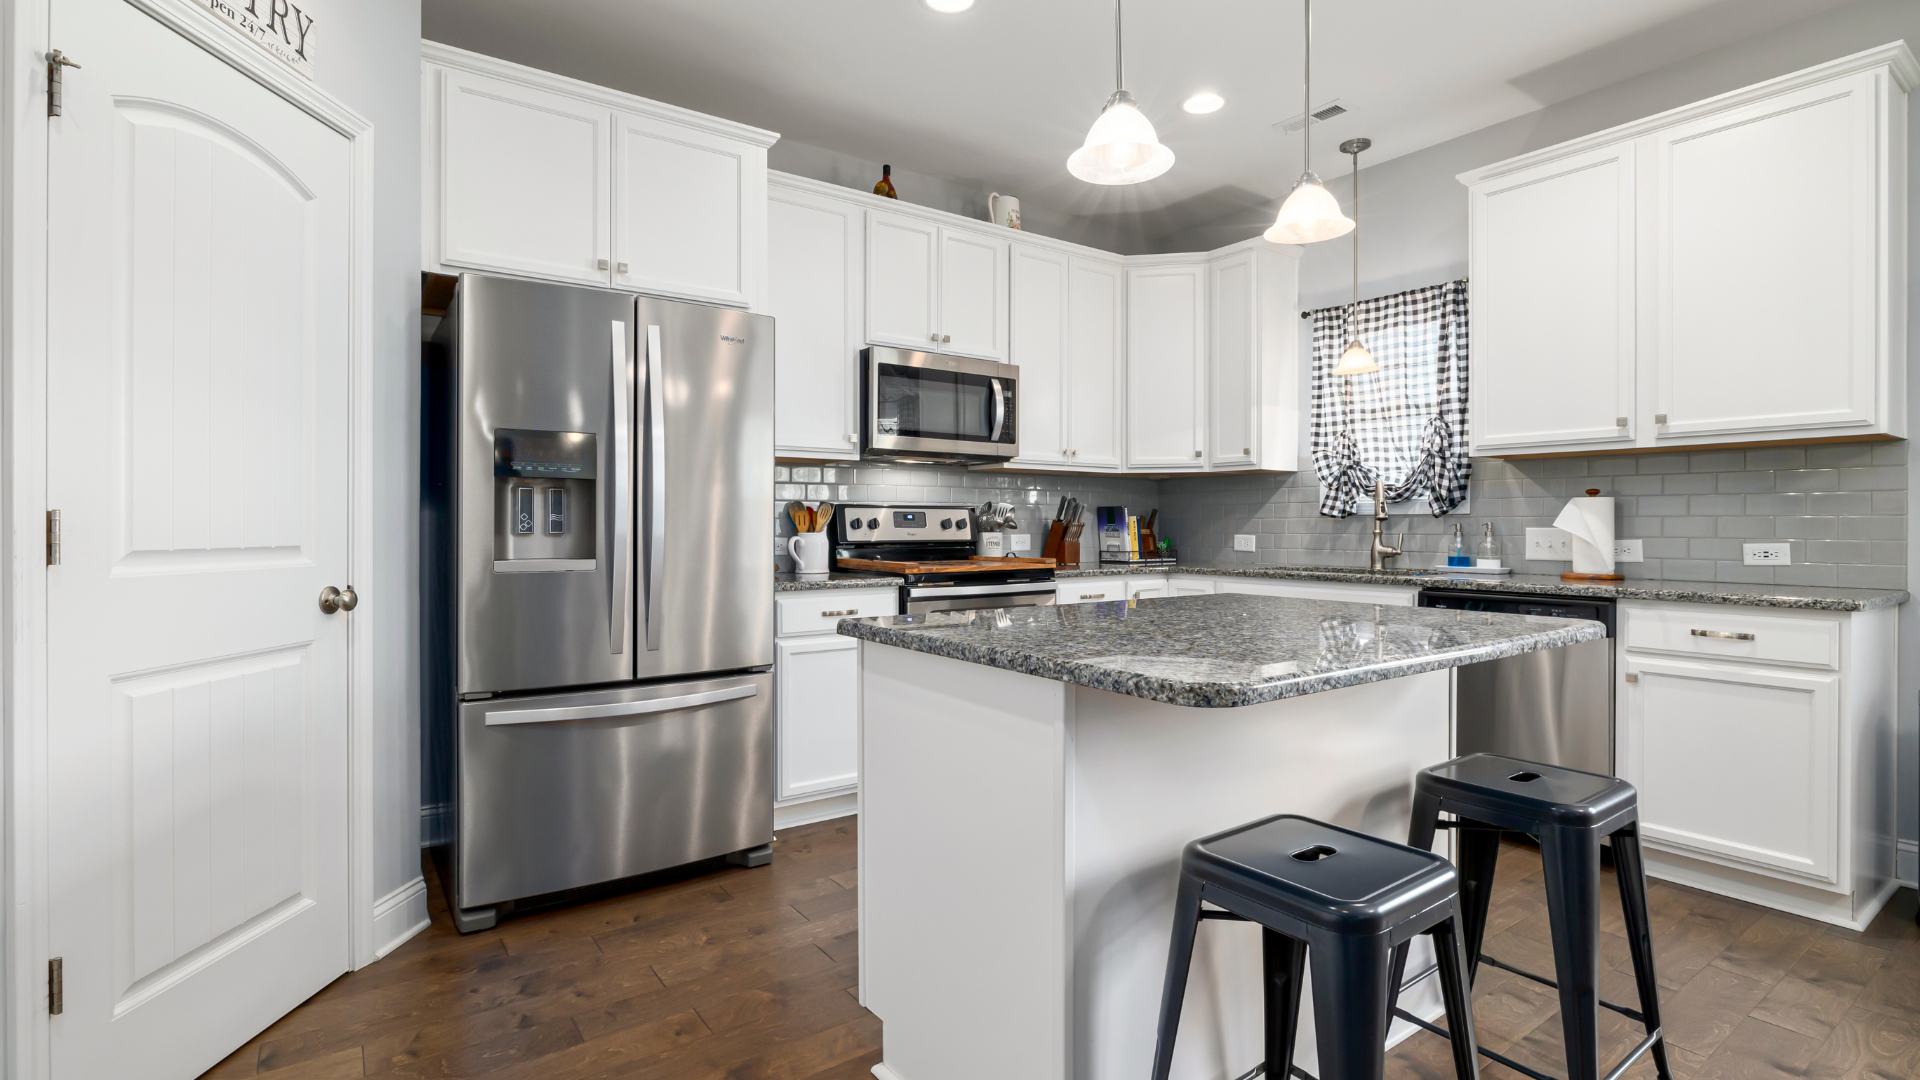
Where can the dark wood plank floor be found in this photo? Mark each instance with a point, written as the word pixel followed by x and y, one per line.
pixel 749 974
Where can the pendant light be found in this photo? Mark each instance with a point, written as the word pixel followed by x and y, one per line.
pixel 1310 213
pixel 1356 360
pixel 1122 147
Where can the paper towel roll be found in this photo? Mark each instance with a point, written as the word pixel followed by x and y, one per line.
pixel 1589 521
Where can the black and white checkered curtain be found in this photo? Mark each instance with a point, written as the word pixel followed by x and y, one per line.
pixel 1407 422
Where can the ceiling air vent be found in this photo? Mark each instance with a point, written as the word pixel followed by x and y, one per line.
pixel 1320 115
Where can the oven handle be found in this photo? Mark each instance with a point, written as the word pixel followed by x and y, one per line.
pixel 999 410
pixel 934 592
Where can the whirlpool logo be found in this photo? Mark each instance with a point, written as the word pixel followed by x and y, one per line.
pixel 731 340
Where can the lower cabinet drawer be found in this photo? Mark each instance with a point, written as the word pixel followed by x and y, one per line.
pixel 819 613
pixel 1730 633
pixel 1090 590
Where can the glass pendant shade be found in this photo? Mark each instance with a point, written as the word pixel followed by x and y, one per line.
pixel 1121 148
pixel 1309 215
pixel 1356 360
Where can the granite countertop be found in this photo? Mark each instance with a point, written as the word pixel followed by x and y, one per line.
pixel 1805 597
pixel 813 583
pixel 1222 650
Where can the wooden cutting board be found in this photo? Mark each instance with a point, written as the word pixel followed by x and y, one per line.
pixel 954 566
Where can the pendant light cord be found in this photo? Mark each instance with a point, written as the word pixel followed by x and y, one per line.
pixel 1356 240
pixel 1306 133
pixel 1119 54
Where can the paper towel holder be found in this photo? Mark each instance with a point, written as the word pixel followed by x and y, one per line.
pixel 1569 575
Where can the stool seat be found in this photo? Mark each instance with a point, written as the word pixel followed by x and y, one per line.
pixel 1499 790
pixel 1326 876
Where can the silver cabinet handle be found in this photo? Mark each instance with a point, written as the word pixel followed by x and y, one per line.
pixel 623 268
pixel 1723 635
pixel 656 489
pixel 621 587
pixel 1659 418
pixel 946 339
pixel 497 717
pixel 1093 596
pixel 1196 453
pixel 1619 421
pixel 835 614
pixel 601 264
pixel 935 338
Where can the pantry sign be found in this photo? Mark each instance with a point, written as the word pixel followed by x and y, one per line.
pixel 282 27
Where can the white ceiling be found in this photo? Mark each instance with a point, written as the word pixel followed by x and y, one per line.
pixel 998 96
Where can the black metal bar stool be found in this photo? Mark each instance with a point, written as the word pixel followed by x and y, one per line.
pixel 1569 812
pixel 1343 900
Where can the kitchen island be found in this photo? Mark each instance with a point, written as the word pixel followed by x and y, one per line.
pixel 1030 775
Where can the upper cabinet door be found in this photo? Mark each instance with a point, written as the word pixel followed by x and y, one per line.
pixel 902 281
pixel 1166 366
pixel 1039 346
pixel 815 264
pixel 1552 311
pixel 1233 377
pixel 523 181
pixel 1096 369
pixel 973 294
pixel 689 213
pixel 1769 232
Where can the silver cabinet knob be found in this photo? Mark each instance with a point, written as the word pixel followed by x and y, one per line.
pixel 946 339
pixel 935 338
pixel 1619 421
pixel 623 268
pixel 602 264
pixel 332 599
pixel 1196 453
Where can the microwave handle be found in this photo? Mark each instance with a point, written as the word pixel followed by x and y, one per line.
pixel 621 586
pixel 999 410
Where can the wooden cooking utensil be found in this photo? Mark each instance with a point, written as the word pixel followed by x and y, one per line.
pixel 821 515
pixel 797 514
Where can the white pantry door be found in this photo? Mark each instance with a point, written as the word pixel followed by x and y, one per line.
pixel 197 418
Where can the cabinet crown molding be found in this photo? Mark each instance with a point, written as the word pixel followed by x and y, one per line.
pixel 1894 58
pixel 435 54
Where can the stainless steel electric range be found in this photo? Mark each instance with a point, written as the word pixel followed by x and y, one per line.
pixel 932 547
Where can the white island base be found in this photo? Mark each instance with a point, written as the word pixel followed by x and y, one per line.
pixel 1020 841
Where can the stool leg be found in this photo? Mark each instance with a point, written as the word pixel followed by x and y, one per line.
pixel 1186 921
pixel 1420 830
pixel 1633 905
pixel 1478 853
pixel 1350 1011
pixel 1447 946
pixel 1283 959
pixel 1572 860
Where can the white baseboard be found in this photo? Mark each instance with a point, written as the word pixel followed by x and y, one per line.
pixel 1906 863
pixel 825 808
pixel 399 915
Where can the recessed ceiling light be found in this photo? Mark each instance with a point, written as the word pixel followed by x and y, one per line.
pixel 949 7
pixel 1204 102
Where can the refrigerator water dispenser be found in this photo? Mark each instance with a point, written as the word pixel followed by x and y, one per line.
pixel 544 498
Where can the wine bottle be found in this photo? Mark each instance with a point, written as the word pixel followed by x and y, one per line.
pixel 885 186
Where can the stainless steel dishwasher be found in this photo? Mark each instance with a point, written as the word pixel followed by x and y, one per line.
pixel 1553 706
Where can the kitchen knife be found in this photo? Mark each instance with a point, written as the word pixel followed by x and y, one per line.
pixel 1061 513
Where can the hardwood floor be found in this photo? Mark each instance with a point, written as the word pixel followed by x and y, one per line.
pixel 749 974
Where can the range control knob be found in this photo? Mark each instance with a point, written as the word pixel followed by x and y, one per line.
pixel 873 523
pixel 946 523
pixel 960 524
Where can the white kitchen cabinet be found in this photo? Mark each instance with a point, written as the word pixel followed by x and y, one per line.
pixel 538 175
pixel 1039 344
pixel 1166 364
pixel 523 180
pixel 1190 586
pixel 1623 297
pixel 1096 370
pixel 935 287
pixel 817 691
pixel 816 288
pixel 1344 592
pixel 689 212
pixel 1090 590
pixel 1762 747
pixel 1253 346
pixel 1146 588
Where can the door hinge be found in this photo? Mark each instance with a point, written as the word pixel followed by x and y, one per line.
pixel 56 60
pixel 53 538
pixel 56 987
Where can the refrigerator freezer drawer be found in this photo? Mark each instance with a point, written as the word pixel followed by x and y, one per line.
pixel 569 790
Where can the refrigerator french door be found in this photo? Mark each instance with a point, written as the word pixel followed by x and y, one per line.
pixel 610 712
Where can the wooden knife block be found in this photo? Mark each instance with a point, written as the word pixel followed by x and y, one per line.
pixel 1063 543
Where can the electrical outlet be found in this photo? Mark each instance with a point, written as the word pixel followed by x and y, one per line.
pixel 1243 541
pixel 1767 554
pixel 1021 542
pixel 1549 545
pixel 1627 551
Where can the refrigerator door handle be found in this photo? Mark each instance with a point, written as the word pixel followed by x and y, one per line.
pixel 656 489
pixel 496 717
pixel 622 585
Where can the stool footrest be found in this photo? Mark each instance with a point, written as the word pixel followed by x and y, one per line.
pixel 1631 1014
pixel 1612 1074
pixel 1261 1070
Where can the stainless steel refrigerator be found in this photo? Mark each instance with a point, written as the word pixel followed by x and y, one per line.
pixel 599 482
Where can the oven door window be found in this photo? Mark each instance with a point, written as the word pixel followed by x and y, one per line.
pixel 924 403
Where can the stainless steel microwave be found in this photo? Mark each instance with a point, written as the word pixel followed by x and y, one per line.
pixel 922 406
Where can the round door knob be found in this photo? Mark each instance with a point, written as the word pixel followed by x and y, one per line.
pixel 332 599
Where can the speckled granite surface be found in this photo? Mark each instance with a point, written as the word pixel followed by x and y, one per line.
pixel 795 583
pixel 1806 597
pixel 1224 650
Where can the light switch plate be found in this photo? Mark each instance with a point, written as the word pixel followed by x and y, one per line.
pixel 1627 551
pixel 1767 554
pixel 1243 541
pixel 1549 545
pixel 1021 542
